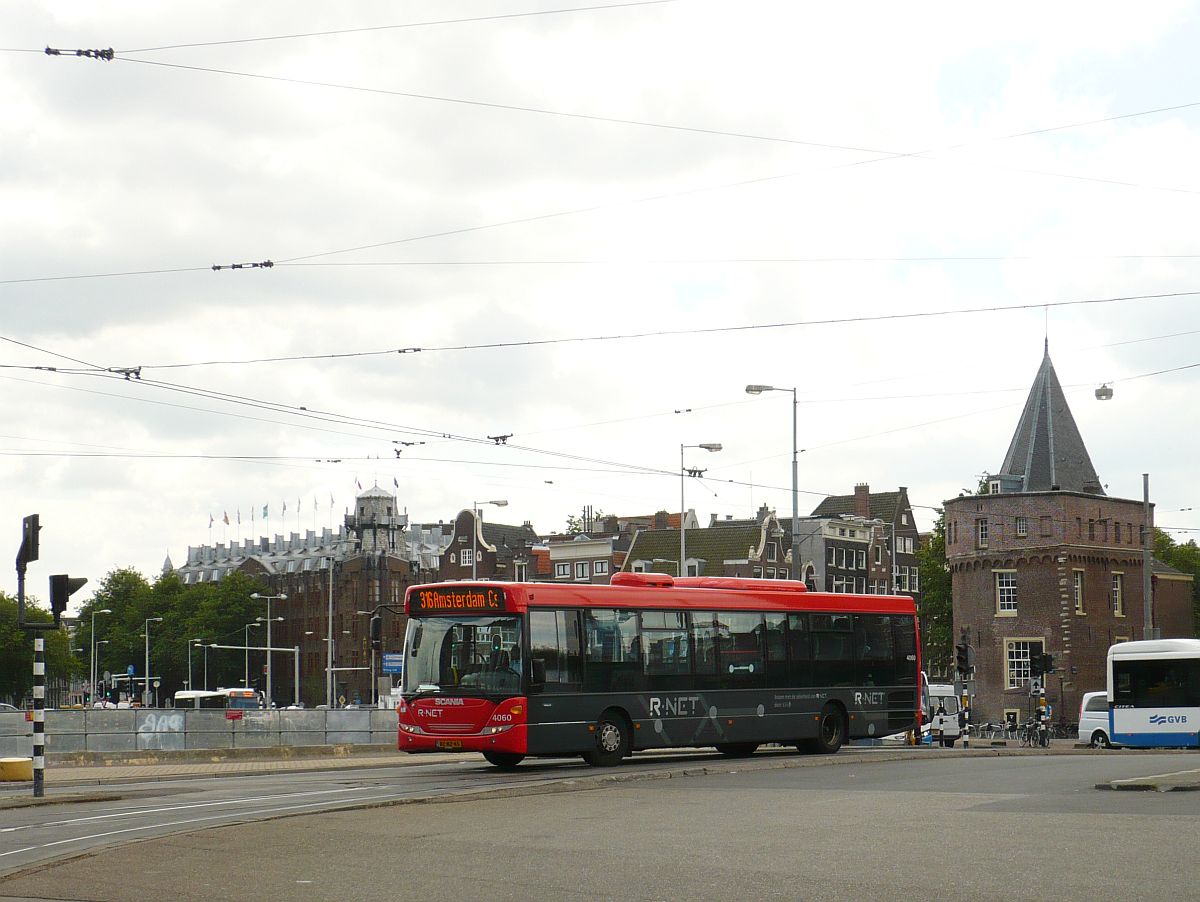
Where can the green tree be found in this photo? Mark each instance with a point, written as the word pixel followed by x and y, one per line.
pixel 1186 559
pixel 16 651
pixel 215 612
pixel 575 524
pixel 936 610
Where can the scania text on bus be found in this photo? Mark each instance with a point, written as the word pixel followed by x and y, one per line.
pixel 534 669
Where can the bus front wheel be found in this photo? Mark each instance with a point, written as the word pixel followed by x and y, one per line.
pixel 737 749
pixel 612 741
pixel 503 760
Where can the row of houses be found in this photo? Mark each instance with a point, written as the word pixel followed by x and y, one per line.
pixel 849 544
pixel 1041 561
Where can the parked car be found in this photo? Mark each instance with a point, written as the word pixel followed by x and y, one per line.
pixel 1093 720
pixel 5 706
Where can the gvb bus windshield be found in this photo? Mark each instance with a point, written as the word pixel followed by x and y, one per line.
pixel 463 655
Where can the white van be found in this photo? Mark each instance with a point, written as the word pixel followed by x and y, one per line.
pixel 1093 720
pixel 943 718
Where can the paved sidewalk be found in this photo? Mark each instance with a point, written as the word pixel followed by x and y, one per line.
pixel 69 775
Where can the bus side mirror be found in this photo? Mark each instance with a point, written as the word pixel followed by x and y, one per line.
pixel 539 670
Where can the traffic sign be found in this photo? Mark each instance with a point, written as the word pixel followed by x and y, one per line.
pixel 129 670
pixel 393 662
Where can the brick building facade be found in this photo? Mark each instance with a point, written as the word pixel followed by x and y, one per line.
pixel 1045 562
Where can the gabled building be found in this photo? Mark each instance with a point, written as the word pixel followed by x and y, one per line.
pixel 481 549
pixel 1046 563
pixel 893 555
pixel 759 551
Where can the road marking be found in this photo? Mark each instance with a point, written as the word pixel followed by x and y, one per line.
pixel 1178 773
pixel 159 826
pixel 131 812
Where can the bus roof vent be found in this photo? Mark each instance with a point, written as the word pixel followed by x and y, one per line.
pixel 744 584
pixel 657 580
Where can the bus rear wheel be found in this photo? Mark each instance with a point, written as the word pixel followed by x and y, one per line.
pixel 503 760
pixel 737 749
pixel 612 741
pixel 831 732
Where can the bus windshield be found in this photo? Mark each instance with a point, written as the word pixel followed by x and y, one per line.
pixel 463 655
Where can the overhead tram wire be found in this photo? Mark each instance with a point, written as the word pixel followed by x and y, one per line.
pixel 597 207
pixel 665 333
pixel 631 469
pixel 427 24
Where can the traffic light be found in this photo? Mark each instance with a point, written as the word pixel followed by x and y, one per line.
pixel 63 587
pixel 1037 665
pixel 376 631
pixel 29 541
pixel 961 658
pixel 1047 663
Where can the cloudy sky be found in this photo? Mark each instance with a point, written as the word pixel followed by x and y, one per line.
pixel 597 225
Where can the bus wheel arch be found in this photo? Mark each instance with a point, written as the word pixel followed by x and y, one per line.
pixel 832 728
pixel 613 739
pixel 504 760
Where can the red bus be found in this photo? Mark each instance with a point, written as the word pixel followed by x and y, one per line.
pixel 652 661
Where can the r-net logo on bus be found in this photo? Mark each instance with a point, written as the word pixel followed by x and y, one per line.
pixel 677 706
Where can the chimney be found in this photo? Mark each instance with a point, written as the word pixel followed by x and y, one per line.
pixel 862 500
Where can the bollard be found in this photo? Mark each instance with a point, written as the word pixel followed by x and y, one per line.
pixel 39 717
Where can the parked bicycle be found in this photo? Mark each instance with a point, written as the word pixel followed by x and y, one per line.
pixel 1034 735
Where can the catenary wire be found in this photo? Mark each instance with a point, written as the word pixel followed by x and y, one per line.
pixel 845 320
pixel 373 28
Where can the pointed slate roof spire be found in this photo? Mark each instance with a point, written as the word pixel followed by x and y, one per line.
pixel 1047 452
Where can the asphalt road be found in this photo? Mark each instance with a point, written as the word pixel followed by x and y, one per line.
pixel 861 824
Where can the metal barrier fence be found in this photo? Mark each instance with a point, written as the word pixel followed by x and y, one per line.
pixel 173 729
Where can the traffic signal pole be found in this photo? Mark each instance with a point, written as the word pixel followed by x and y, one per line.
pixel 61 588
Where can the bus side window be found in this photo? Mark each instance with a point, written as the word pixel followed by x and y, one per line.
pixel 705 632
pixel 613 658
pixel 554 646
pixel 874 650
pixel 904 630
pixel 741 651
pixel 776 647
pixel 833 648
pixel 666 650
pixel 799 648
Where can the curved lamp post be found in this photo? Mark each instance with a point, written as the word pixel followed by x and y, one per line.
pixel 92 668
pixel 758 390
pixel 269 598
pixel 707 446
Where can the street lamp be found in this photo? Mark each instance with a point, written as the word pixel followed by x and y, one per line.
pixel 268 598
pixel 92 668
pixel 758 390
pixel 707 446
pixel 96 664
pixel 146 694
pixel 476 528
pixel 372 653
pixel 246 680
pixel 199 643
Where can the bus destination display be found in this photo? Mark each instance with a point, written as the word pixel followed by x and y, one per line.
pixel 467 600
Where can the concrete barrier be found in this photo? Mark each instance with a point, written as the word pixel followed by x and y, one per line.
pixel 131 730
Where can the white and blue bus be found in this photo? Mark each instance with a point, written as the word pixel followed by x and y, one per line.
pixel 1154 693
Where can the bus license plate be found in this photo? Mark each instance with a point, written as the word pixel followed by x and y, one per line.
pixel 450 745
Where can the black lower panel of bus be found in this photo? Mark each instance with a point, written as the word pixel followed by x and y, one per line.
pixel 559 722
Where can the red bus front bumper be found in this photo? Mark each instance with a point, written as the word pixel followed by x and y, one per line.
pixel 463 724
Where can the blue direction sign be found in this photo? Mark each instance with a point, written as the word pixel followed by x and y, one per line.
pixel 393 662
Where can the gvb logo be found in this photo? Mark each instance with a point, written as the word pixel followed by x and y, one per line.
pixel 1158 719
